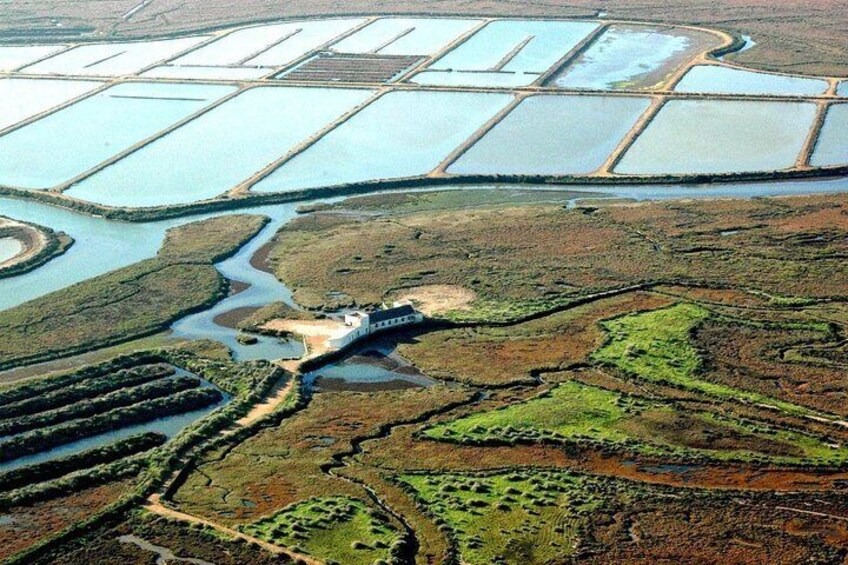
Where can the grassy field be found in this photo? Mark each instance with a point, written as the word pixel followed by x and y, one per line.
pixel 512 354
pixel 131 302
pixel 656 346
pixel 335 529
pixel 283 465
pixel 803 37
pixel 574 413
pixel 522 261
pixel 507 518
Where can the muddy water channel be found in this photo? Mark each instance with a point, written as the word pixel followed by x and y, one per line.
pixel 372 367
pixel 104 245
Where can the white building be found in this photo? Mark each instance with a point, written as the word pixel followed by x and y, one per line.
pixel 363 324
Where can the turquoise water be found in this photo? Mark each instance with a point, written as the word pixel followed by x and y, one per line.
pixel 391 36
pixel 201 73
pixel 488 51
pixel 401 134
pixel 553 135
pixel 22 98
pixel 311 36
pixel 267 45
pixel 113 59
pixel 15 56
pixel 238 137
pixel 9 248
pixel 842 89
pixel 99 246
pixel 720 136
pixel 832 145
pixel 725 80
pixel 475 79
pixel 628 57
pixel 71 141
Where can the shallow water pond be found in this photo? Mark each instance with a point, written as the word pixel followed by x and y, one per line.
pixel 71 141
pixel 635 57
pixel 13 57
pixel 720 136
pixel 401 134
pixel 507 51
pixel 240 137
pixel 10 248
pixel 405 36
pixel 169 426
pixel 206 73
pixel 717 79
pixel 553 135
pixel 267 45
pixel 373 366
pixel 22 98
pixel 832 145
pixel 112 59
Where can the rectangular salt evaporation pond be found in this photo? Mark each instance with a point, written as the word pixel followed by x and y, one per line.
pixel 206 73
pixel 715 79
pixel 553 135
pixel 15 57
pixel 402 134
pixel 266 45
pixel 112 59
pixel 22 98
pixel 239 138
pixel 71 141
pixel 720 136
pixel 405 36
pixel 312 35
pixel 506 53
pixel 637 57
pixel 842 89
pixel 832 144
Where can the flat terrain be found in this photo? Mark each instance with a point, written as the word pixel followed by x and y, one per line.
pixel 803 37
pixel 609 383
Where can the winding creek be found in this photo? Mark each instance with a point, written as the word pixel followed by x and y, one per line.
pixel 104 245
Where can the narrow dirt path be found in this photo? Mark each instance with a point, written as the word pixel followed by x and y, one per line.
pixel 155 506
pixel 275 397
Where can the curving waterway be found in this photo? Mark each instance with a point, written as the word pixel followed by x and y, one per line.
pixel 103 245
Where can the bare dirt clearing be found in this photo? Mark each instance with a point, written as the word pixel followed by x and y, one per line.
pixel 439 298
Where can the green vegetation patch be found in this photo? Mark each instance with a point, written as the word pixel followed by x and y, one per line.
pixel 578 413
pixel 131 302
pixel 656 346
pixel 334 529
pixel 437 200
pixel 528 517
